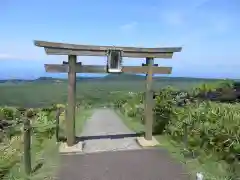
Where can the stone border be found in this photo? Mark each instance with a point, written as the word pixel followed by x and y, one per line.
pixel 146 143
pixel 65 149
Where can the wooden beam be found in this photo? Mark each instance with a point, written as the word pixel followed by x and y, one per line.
pixel 56 68
pixel 70 121
pixel 149 100
pixel 145 69
pixel 105 48
pixel 55 51
pixel 63 68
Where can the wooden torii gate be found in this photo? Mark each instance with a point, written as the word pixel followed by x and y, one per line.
pixel 72 67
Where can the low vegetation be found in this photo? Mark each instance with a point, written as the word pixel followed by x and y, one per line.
pixel 43 142
pixel 199 122
pixel 203 129
pixel 44 147
pixel 46 91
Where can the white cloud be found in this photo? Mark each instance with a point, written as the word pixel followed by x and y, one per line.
pixel 129 27
pixel 179 14
pixel 222 25
pixel 172 17
pixel 6 56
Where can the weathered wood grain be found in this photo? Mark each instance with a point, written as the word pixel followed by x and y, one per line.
pixel 63 68
pixel 149 99
pixel 57 51
pixel 145 69
pixel 104 48
pixel 70 121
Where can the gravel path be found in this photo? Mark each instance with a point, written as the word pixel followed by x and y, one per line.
pixel 102 124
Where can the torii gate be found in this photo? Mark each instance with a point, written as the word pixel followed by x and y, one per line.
pixel 114 66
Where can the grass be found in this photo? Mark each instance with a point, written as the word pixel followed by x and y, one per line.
pixel 212 169
pixel 24 94
pixel 82 116
pixel 45 157
pixel 193 165
pixel 131 123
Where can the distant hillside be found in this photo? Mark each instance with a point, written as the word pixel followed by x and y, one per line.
pixel 15 81
pixel 112 77
pixel 123 77
pixel 133 77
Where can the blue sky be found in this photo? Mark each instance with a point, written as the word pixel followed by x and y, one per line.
pixel 208 31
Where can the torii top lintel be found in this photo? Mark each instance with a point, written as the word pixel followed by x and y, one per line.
pixel 53 48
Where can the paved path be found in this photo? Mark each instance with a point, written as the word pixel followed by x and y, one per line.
pixel 100 127
pixel 143 164
pixel 134 164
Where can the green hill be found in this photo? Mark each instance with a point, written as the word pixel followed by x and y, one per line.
pixel 123 77
pixel 113 77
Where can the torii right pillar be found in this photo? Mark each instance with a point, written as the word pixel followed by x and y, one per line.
pixel 148 139
pixel 149 101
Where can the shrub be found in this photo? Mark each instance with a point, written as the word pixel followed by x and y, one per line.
pixel 8 113
pixel 212 127
pixel 163 109
pixel 11 150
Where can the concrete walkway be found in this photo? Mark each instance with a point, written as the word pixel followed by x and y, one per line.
pixel 143 164
pixel 117 161
pixel 102 130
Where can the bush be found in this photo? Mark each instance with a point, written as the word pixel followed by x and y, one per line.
pixel 8 113
pixel 11 151
pixel 163 109
pixel 212 128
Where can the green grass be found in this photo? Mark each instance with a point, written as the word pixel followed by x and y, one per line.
pixel 40 94
pixel 82 116
pixel 46 154
pixel 212 169
pixel 131 123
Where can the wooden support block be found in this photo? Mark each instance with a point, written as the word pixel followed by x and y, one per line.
pixel 65 62
pixel 143 64
pixel 147 143
pixel 68 150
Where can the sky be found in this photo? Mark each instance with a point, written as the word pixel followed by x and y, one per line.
pixel 207 30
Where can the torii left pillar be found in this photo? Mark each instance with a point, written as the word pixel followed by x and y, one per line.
pixel 71 107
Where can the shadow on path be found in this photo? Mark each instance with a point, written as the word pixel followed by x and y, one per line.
pixel 112 136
